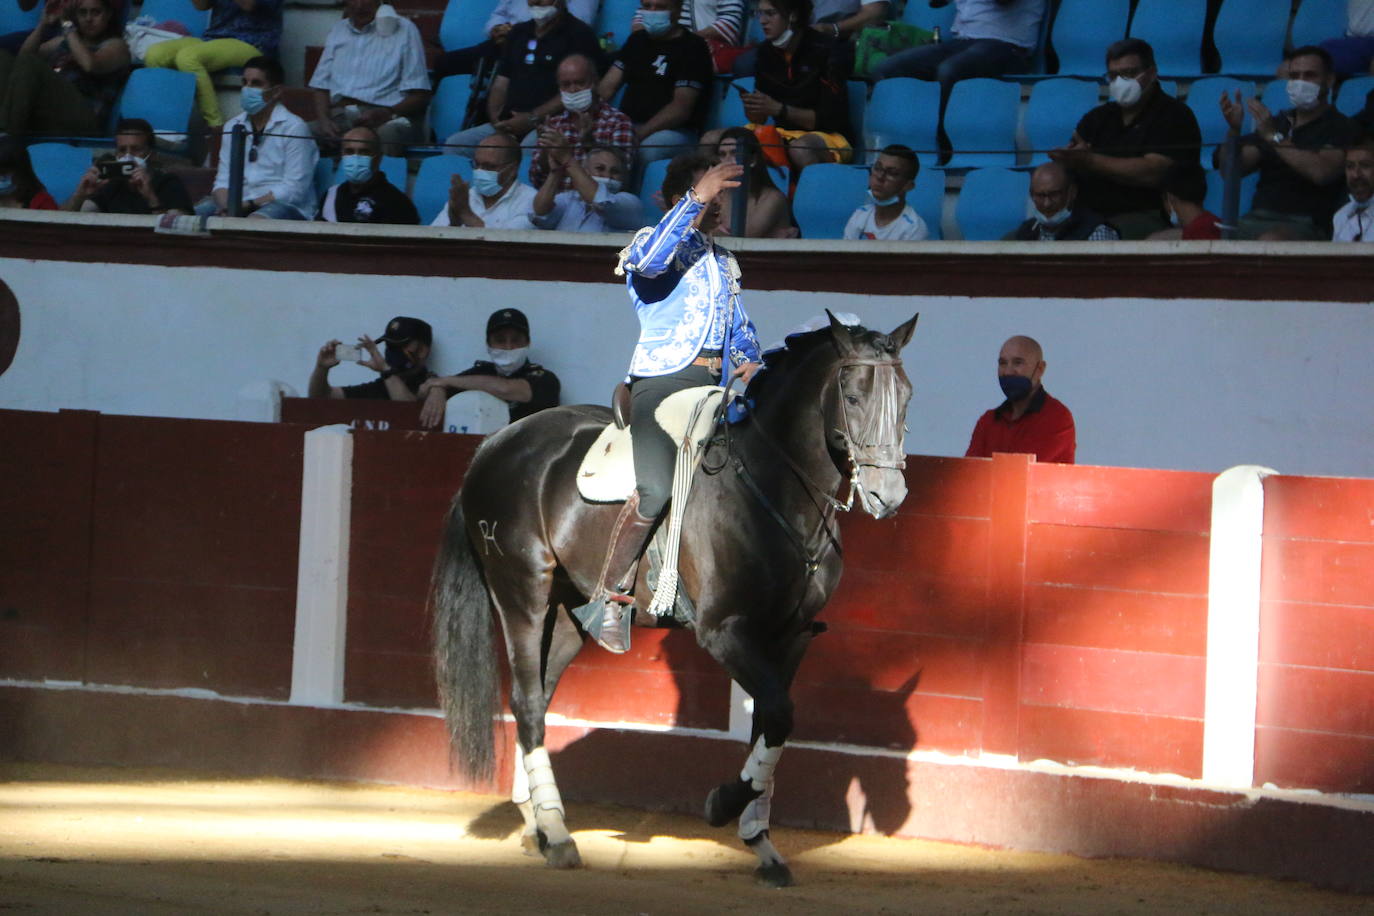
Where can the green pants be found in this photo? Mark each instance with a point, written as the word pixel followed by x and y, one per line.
pixel 201 58
pixel 35 100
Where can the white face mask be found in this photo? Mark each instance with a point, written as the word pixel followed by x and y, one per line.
pixel 782 40
pixel 1054 219
pixel 140 162
pixel 508 362
pixel 542 13
pixel 612 185
pixel 1125 92
pixel 1173 218
pixel 580 100
pixel 1303 95
pixel 387 19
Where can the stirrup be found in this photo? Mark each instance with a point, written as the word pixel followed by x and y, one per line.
pixel 607 619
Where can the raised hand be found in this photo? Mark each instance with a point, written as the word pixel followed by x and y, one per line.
pixel 327 359
pixel 720 177
pixel 373 360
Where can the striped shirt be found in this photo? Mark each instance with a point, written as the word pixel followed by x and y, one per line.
pixel 612 128
pixel 726 16
pixel 371 67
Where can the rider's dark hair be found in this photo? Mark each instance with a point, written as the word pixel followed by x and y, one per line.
pixel 681 173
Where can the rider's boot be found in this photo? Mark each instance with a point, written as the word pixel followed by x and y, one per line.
pixel 607 616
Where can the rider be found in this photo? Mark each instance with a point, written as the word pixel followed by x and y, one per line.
pixel 685 290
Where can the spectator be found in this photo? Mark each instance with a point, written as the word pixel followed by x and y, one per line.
pixel 497 199
pixel 239 31
pixel 399 373
pixel 1352 53
pixel 769 213
pixel 800 89
pixel 526 89
pixel 841 19
pixel 1354 221
pixel 365 195
pixel 65 85
pixel 1029 420
pixel 1185 188
pixel 721 24
pixel 20 188
pixel 507 374
pixel 1299 153
pixel 372 73
pixel 586 121
pixel 1056 219
pixel 147 189
pixel 595 201
pixel 1122 149
pixel 279 169
pixel 887 216
pixel 667 72
pixel 506 14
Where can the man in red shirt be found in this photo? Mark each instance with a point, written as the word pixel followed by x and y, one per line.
pixel 1029 420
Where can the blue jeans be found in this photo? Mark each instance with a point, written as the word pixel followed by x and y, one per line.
pixel 954 60
pixel 275 210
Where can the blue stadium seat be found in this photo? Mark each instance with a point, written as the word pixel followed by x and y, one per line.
pixel 1204 98
pixel 13 19
pixel 1174 29
pixel 59 166
pixel 1275 99
pixel 165 99
pixel 1215 191
pixel 1249 36
pixel 430 193
pixel 464 23
pixel 324 176
pixel 928 200
pixel 904 110
pixel 981 123
pixel 393 167
pixel 731 110
pixel 1353 93
pixel 827 194
pixel 1053 112
pixel 648 190
pixel 858 105
pixel 183 11
pixel 1316 21
pixel 918 12
pixel 992 203
pixel 450 105
pixel 1081 32
pixel 616 17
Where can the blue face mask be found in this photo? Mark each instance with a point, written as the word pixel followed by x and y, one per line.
pixel 1015 387
pixel 656 22
pixel 6 185
pixel 486 182
pixel 886 201
pixel 356 168
pixel 251 99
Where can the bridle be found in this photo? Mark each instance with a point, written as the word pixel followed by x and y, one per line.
pixel 875 445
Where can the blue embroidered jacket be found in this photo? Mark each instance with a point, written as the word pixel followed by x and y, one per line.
pixel 683 288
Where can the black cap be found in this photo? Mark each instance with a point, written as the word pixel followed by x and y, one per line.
pixel 508 318
pixel 401 330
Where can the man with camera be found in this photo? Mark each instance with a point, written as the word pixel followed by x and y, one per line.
pixel 130 180
pixel 399 373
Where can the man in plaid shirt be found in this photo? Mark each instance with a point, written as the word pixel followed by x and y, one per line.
pixel 585 121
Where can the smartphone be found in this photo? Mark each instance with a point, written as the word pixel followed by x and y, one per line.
pixel 347 353
pixel 113 169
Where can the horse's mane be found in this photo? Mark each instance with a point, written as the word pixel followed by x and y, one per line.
pixel 797 349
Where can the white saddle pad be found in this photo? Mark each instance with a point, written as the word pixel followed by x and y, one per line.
pixel 607 473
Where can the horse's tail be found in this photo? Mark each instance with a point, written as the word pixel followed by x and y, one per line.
pixel 464 648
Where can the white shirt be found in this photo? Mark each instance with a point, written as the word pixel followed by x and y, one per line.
pixel 1351 225
pixel 512 209
pixel 907 227
pixel 1017 23
pixel 835 10
pixel 284 162
pixel 511 12
pixel 607 212
pixel 1359 15
pixel 369 66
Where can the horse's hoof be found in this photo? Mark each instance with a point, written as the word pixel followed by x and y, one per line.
pixel 728 801
pixel 562 855
pixel 716 815
pixel 530 845
pixel 774 875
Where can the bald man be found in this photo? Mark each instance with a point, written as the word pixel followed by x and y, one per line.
pixel 365 195
pixel 1029 420
pixel 496 199
pixel 1056 219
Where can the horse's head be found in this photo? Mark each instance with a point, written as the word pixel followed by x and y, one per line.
pixel 865 414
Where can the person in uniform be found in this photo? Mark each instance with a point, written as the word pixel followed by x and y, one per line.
pixel 685 290
pixel 507 373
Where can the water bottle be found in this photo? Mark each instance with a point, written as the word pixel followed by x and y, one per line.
pixel 935 33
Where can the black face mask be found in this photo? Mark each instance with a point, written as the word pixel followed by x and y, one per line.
pixel 1015 387
pixel 397 359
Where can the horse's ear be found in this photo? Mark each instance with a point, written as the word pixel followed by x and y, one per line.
pixel 840 332
pixel 902 335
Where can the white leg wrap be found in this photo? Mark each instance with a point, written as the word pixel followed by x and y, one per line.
pixel 520 781
pixel 758 769
pixel 543 790
pixel 754 819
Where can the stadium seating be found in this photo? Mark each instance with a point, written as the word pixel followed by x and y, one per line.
pixel 904 110
pixel 13 19
pixel 1215 190
pixel 450 105
pixel 164 98
pixel 858 107
pixel 649 187
pixel 1249 36
pixel 826 196
pixel 928 200
pixel 731 110
pixel 981 123
pixel 1053 112
pixel 1353 93
pixel 1082 31
pixel 1316 21
pixel 59 166
pixel 615 17
pixel 992 203
pixel 1174 29
pixel 183 11
pixel 464 24
pixel 430 193
pixel 393 167
pixel 1275 98
pixel 1204 98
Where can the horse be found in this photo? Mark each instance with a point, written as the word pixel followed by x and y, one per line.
pixel 759 557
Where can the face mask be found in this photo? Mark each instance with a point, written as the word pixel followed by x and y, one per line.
pixel 1173 218
pixel 782 40
pixel 140 162
pixel 6 185
pixel 508 361
pixel 612 185
pixel 1124 92
pixel 396 358
pixel 1302 94
pixel 387 21
pixel 1054 219
pixel 886 201
pixel 251 99
pixel 542 13
pixel 356 168
pixel 580 100
pixel 1015 387
pixel 486 182
pixel 656 22
pixel 1359 205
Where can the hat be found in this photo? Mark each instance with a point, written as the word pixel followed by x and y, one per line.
pixel 508 318
pixel 401 329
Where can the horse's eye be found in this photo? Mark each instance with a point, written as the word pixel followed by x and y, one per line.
pixel 853 401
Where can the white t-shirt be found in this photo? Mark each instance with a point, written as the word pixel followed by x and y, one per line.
pixel 511 211
pixel 1359 17
pixel 1351 225
pixel 1016 23
pixel 907 227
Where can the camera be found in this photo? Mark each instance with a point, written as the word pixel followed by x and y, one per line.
pixel 113 169
pixel 346 353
